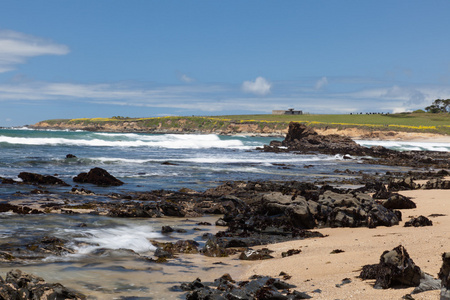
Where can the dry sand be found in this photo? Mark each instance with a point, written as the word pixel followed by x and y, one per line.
pixel 316 268
pixel 364 134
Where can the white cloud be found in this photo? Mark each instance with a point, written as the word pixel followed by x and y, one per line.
pixel 258 87
pixel 397 110
pixel 221 97
pixel 322 82
pixel 16 48
pixel 187 79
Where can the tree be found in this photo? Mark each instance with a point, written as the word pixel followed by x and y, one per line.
pixel 439 106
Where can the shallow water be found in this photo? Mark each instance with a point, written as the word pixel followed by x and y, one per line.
pixel 198 162
pixel 105 274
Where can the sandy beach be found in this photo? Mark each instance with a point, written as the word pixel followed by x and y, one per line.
pixel 316 268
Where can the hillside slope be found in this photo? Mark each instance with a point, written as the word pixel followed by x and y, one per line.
pixel 269 126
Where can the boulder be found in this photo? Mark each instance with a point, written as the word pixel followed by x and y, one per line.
pixel 420 221
pixel 444 276
pixel 33 178
pixel 98 176
pixel 397 201
pixel 213 249
pixel 396 268
pixel 260 254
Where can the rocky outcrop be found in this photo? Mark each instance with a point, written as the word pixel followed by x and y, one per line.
pixel 437 183
pixel 258 287
pixel 304 139
pixel 20 285
pixel 98 176
pixel 301 139
pixel 33 178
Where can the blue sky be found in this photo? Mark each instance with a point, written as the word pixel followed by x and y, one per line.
pixel 143 58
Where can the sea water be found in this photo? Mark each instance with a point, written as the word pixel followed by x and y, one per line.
pixel 144 162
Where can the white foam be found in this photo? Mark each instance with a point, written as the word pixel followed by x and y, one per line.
pixel 135 238
pixel 407 145
pixel 158 141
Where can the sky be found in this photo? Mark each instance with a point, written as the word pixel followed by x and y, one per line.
pixel 148 58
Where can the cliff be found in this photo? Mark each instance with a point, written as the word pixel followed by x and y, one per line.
pixel 202 125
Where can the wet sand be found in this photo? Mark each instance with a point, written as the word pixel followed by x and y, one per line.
pixel 316 268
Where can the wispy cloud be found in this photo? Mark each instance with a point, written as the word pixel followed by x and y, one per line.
pixel 226 97
pixel 322 82
pixel 16 48
pixel 258 87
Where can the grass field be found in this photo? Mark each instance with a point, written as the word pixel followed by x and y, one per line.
pixel 421 119
pixel 418 122
pixel 439 123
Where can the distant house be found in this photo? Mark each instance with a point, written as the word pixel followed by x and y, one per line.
pixel 290 111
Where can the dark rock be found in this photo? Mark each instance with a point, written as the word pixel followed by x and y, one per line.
pixel 39 192
pixel 70 156
pixel 98 177
pixel 397 201
pixel 257 288
pixel 336 251
pixel 380 190
pixel 444 276
pixel 168 250
pixel 191 286
pixel 256 254
pixel 204 224
pixel 32 178
pixel 420 221
pixel 22 210
pixel 298 131
pixel 401 184
pixel 19 285
pixel 7 180
pixel 167 229
pixel 291 252
pixel 302 139
pixel 437 183
pixel 344 281
pixel 212 249
pixel 397 268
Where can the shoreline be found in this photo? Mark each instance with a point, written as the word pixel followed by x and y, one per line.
pixel 353 133
pixel 316 268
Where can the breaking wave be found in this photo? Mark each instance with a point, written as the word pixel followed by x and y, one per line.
pixel 169 141
pixel 407 145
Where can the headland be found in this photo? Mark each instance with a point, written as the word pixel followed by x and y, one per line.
pixel 423 126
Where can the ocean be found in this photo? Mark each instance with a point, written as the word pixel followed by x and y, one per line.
pixel 144 162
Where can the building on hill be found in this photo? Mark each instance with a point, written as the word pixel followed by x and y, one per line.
pixel 290 111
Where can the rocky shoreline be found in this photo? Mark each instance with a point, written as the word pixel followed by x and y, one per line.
pixel 252 214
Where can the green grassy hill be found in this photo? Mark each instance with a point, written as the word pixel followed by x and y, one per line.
pixel 417 122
